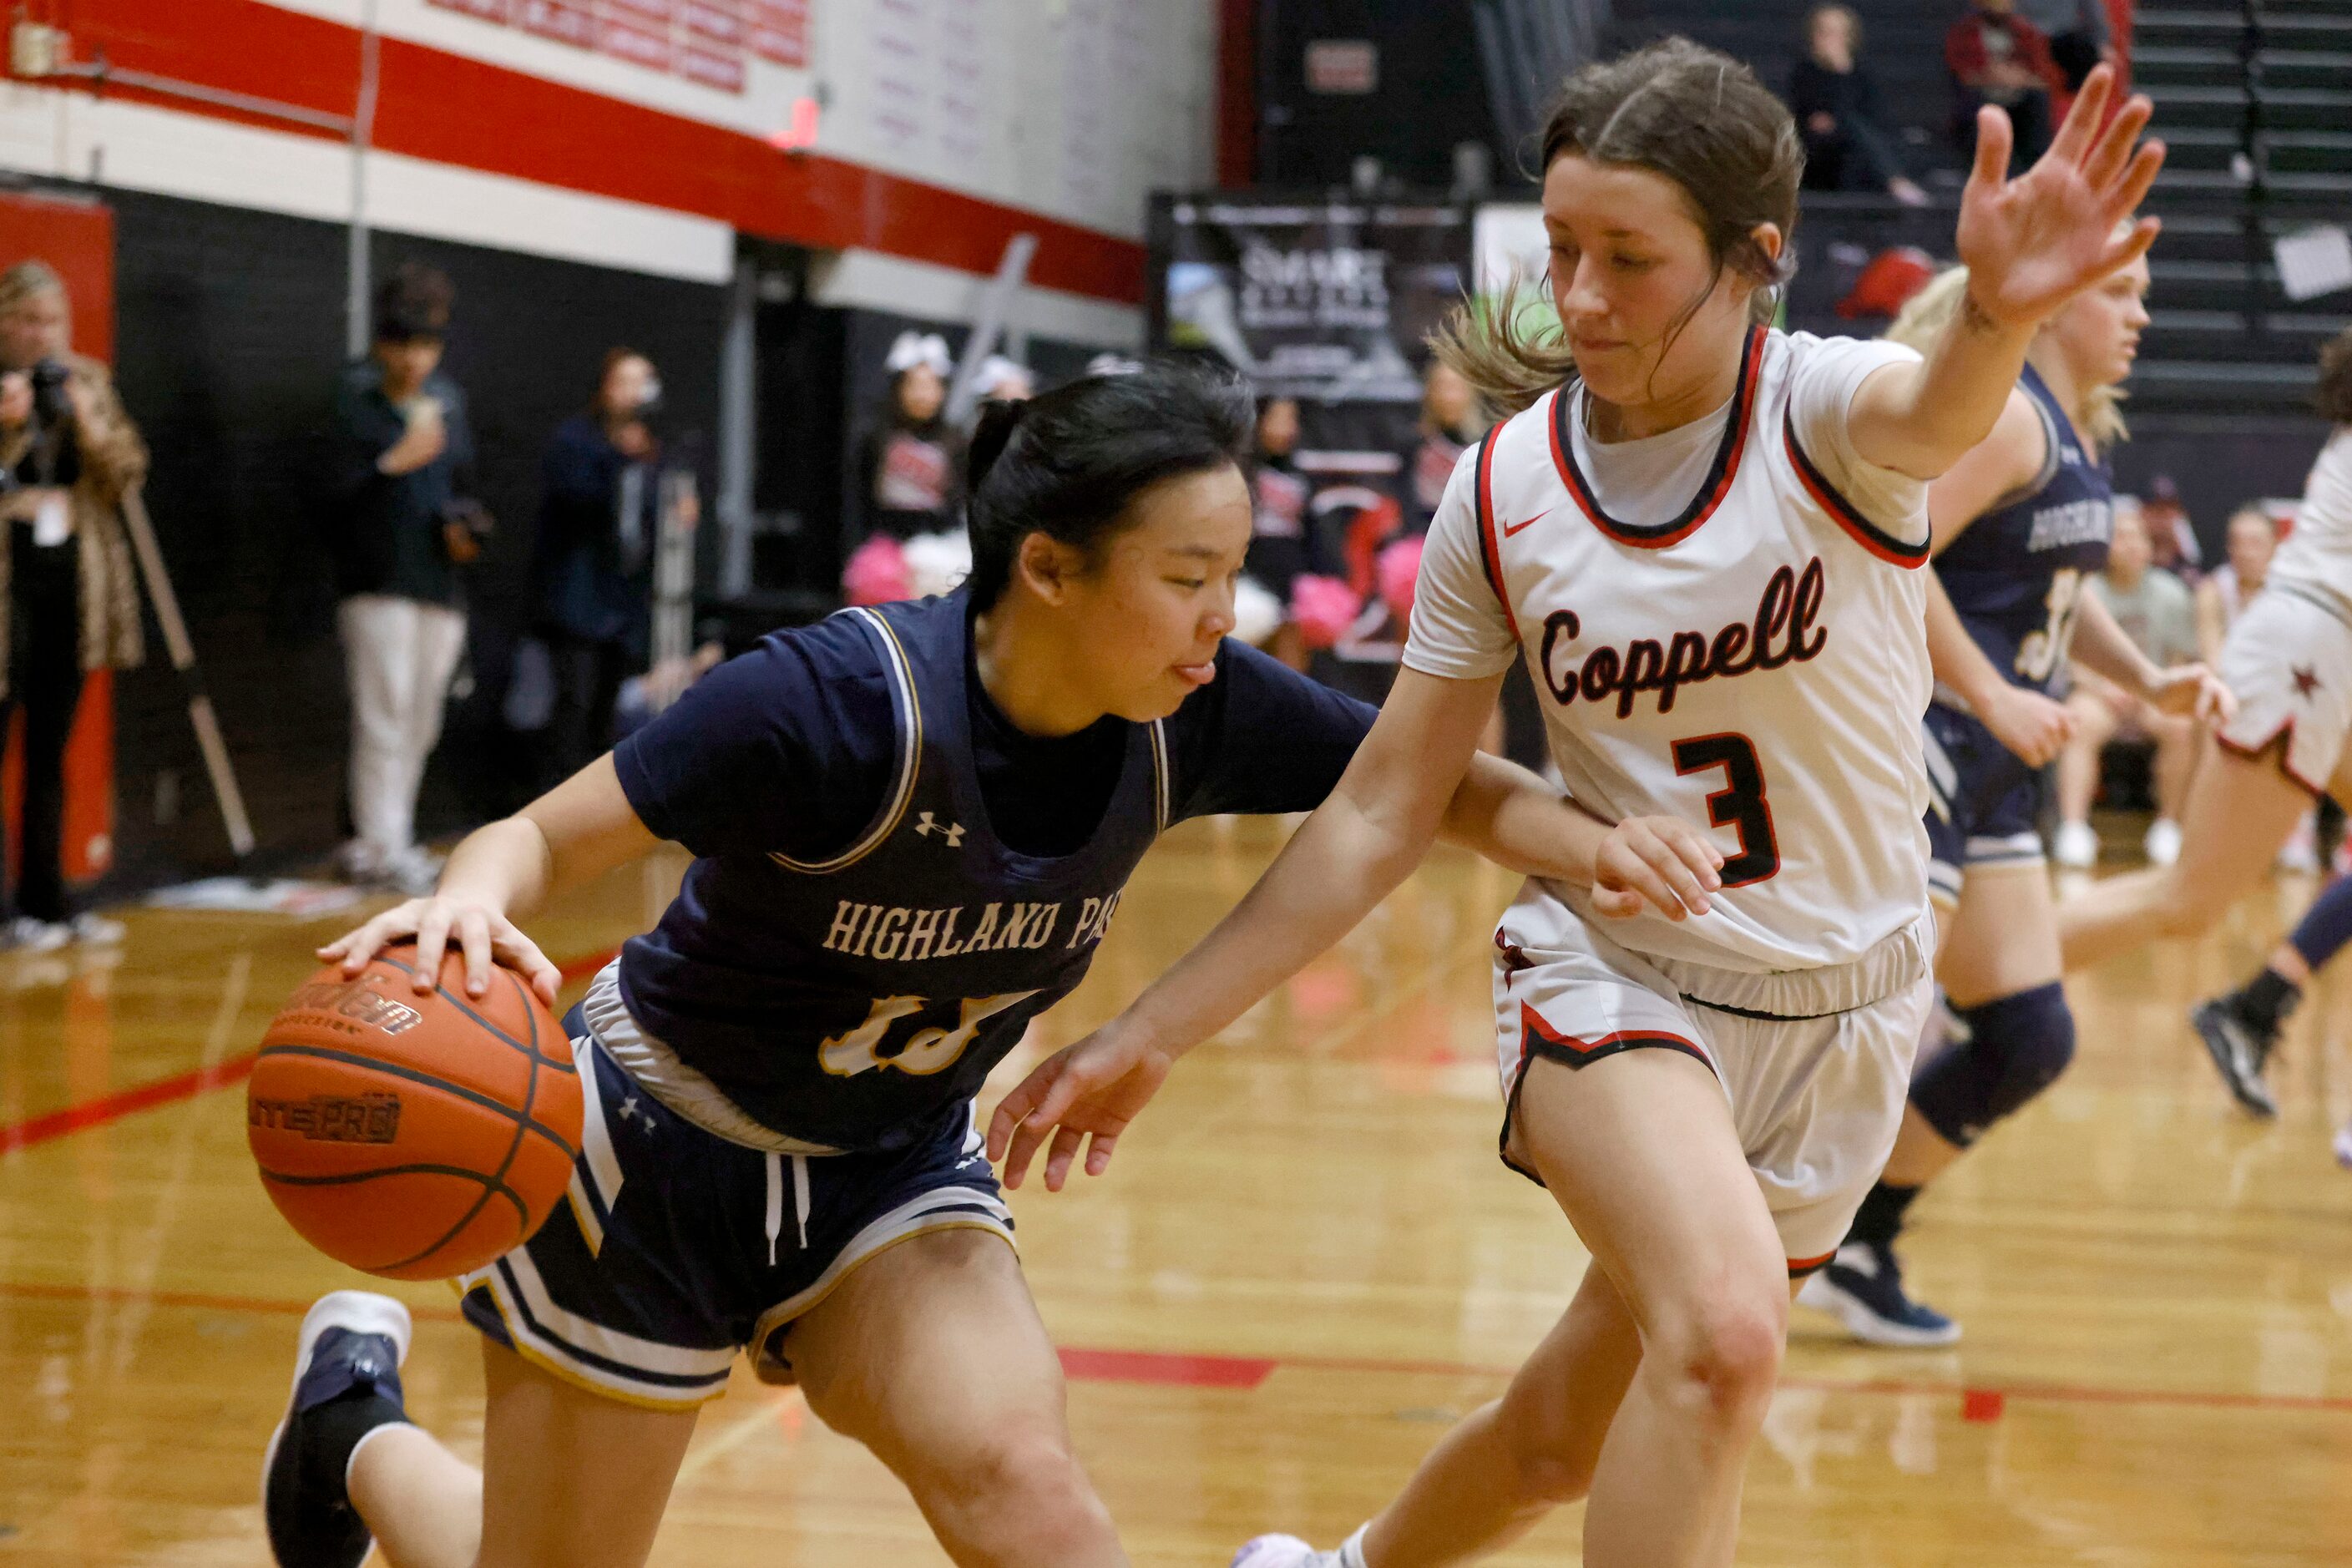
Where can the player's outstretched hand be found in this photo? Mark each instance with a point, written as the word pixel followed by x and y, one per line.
pixel 2034 242
pixel 2193 690
pixel 1655 862
pixel 2030 724
pixel 1086 1093
pixel 484 935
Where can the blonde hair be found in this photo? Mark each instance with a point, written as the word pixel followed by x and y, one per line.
pixel 1931 310
pixel 28 281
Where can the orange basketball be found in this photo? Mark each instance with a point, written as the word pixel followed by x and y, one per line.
pixel 414 1137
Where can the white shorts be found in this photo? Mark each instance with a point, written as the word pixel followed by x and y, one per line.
pixel 1815 1095
pixel 2289 661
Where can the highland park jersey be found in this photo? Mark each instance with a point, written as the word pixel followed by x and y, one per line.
pixel 847 988
pixel 1726 625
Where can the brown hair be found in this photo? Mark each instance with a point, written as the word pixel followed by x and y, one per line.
pixel 414 302
pixel 1690 115
pixel 2334 392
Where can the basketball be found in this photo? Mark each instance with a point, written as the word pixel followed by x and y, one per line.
pixel 414 1137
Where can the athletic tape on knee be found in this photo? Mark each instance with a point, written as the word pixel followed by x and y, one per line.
pixel 2013 1049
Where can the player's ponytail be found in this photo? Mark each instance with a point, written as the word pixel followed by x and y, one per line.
pixel 1070 464
pixel 1691 115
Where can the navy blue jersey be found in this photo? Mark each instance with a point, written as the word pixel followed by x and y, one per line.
pixel 857 944
pixel 2017 574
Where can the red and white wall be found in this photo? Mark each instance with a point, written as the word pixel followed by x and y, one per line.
pixel 639 133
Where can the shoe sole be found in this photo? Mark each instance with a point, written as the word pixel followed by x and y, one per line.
pixel 2212 1027
pixel 362 1311
pixel 1824 1294
pixel 1244 1557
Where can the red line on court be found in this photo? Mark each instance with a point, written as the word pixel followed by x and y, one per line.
pixel 1160 1367
pixel 1244 1374
pixel 52 1125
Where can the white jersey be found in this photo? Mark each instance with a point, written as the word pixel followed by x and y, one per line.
pixel 2315 557
pixel 1726 623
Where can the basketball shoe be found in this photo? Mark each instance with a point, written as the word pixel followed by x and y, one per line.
pixel 1289 1552
pixel 346 1389
pixel 2240 1050
pixel 1864 1287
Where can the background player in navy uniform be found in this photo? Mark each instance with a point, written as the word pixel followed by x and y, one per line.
pixel 912 826
pixel 2021 524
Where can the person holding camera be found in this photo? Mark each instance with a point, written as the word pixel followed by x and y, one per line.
pixel 599 525
pixel 406 524
pixel 69 598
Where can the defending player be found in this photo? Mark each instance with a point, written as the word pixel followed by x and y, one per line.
pixel 1706 540
pixel 2288 660
pixel 912 826
pixel 2021 524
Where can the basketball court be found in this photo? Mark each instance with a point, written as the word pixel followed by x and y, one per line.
pixel 1304 1264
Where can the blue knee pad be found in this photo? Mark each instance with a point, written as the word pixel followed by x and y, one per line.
pixel 2013 1049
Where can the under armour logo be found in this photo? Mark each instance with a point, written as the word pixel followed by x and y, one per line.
pixel 2306 680
pixel 954 832
pixel 629 1112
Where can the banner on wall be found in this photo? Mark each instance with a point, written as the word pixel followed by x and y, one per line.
pixel 1327 301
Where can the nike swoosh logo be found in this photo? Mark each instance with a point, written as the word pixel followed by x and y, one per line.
pixel 1510 529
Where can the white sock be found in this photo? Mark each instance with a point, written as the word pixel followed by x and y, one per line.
pixel 1352 1551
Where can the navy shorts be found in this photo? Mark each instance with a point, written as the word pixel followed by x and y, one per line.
pixel 1983 802
pixel 677 1248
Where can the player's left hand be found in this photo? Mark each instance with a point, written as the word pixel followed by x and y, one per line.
pixel 1085 1093
pixel 2193 690
pixel 2034 242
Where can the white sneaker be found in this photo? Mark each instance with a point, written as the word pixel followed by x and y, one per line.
pixel 1285 1552
pixel 2344 1145
pixel 2076 846
pixel 93 929
pixel 413 871
pixel 26 934
pixel 360 861
pixel 2299 856
pixel 2162 844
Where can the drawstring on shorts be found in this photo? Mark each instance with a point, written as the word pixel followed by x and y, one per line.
pixel 774 1226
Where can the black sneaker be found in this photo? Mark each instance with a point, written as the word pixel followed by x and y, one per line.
pixel 2240 1053
pixel 1864 1286
pixel 346 1383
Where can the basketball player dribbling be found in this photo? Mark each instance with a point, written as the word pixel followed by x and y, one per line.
pixel 912 825
pixel 1706 539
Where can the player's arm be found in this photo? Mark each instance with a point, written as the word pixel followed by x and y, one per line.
pixel 2212 628
pixel 2030 245
pixel 1995 469
pixel 498 874
pixel 1351 853
pixel 1514 820
pixel 2101 648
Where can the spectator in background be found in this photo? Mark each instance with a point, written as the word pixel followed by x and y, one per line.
pixel 1282 544
pixel 2080 35
pixel 599 525
pixel 1449 421
pixel 1999 58
pixel 404 524
pixel 1848 144
pixel 68 601
pixel 2252 539
pixel 2158 613
pixel 2170 532
pixel 908 463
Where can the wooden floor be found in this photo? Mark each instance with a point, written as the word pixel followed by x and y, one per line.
pixel 1307 1261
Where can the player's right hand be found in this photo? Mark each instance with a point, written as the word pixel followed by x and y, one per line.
pixel 484 935
pixel 1085 1093
pixel 1655 862
pixel 2031 725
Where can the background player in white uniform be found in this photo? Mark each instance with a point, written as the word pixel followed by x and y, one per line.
pixel 2289 661
pixel 2021 528
pixel 1706 545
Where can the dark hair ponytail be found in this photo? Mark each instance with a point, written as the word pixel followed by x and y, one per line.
pixel 1070 464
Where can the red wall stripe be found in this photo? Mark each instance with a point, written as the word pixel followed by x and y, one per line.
pixel 448 108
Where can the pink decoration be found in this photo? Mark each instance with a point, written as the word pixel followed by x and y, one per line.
pixel 1324 607
pixel 877 574
pixel 1398 569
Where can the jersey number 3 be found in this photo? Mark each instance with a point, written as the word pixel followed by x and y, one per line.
pixel 890 1036
pixel 1740 804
